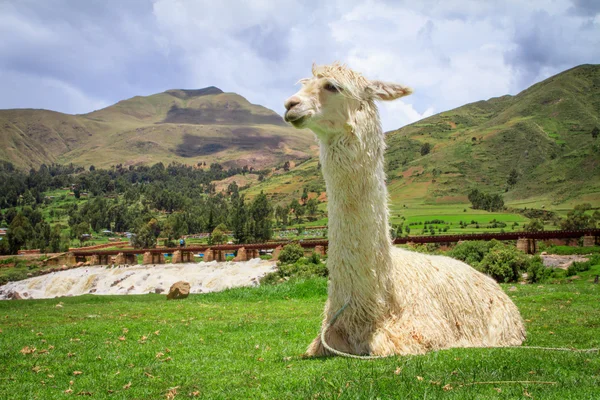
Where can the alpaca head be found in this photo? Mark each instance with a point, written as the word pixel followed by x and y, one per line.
pixel 330 102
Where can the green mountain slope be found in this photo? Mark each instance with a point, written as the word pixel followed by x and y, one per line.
pixel 544 134
pixel 188 126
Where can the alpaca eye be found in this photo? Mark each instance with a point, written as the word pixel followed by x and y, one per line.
pixel 331 88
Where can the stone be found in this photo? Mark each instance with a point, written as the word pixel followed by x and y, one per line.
pixel 179 290
pixel 241 255
pixel 209 255
pixel 177 258
pixel 589 241
pixel 80 264
pixel 15 296
pixel 320 250
pixel 159 290
pixel 512 289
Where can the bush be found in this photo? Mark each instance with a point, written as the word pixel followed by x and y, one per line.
pixel 577 267
pixel 303 268
pixel 472 252
pixel 570 250
pixel 291 253
pixel 503 263
pixel 536 271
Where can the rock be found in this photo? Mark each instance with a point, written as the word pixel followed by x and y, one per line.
pixel 158 290
pixel 29 274
pixel 179 290
pixel 64 268
pixel 15 296
pixel 87 263
pixel 80 264
pixel 512 289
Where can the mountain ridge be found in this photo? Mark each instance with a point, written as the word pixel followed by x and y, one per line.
pixel 148 129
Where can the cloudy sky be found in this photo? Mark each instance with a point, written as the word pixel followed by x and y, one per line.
pixel 75 56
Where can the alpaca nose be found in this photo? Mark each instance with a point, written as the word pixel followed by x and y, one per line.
pixel 291 102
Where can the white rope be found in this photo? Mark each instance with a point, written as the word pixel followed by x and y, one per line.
pixel 348 355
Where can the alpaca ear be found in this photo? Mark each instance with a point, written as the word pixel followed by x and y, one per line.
pixel 387 91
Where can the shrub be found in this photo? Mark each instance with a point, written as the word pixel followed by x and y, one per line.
pixel 503 263
pixel 577 267
pixel 314 258
pixel 290 254
pixel 302 268
pixel 570 250
pixel 536 271
pixel 472 252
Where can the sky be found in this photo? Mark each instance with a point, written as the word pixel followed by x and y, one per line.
pixel 76 56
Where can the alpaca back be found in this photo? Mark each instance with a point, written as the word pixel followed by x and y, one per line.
pixel 444 303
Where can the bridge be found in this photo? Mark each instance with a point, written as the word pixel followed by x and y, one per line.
pixel 525 241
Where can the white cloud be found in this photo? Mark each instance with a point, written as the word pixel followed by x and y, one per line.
pixel 450 52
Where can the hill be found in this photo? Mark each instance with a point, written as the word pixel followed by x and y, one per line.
pixel 188 126
pixel 542 137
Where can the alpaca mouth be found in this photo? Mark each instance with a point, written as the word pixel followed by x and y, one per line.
pixel 296 121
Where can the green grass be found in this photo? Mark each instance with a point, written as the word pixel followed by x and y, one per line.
pixel 16 268
pixel 569 250
pixel 247 343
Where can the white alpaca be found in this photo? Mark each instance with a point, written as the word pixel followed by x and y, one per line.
pixel 398 302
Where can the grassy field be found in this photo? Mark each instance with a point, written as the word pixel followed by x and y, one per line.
pixel 247 343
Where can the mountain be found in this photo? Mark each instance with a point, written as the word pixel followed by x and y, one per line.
pixel 542 136
pixel 188 126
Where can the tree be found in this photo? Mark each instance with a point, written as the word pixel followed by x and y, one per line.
pixel 233 189
pixel 218 235
pixel 578 219
pixel 535 225
pixel 239 220
pixel 55 239
pixel 79 230
pixel 291 253
pixel 19 232
pixel 297 209
pixel 41 236
pixel 312 207
pixel 425 149
pixel 145 236
pixel 304 196
pixel 261 212
pixel 488 202
pixel 512 177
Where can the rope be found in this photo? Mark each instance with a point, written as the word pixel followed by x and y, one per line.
pixel 348 355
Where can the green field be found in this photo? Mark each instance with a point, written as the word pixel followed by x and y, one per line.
pixel 248 343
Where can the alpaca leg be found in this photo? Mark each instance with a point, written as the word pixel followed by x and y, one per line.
pixel 334 339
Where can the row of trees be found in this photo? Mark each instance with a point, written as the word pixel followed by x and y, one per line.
pixel 484 201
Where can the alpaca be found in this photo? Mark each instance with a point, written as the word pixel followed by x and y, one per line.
pixel 394 301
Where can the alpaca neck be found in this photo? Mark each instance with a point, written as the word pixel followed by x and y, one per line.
pixel 359 240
